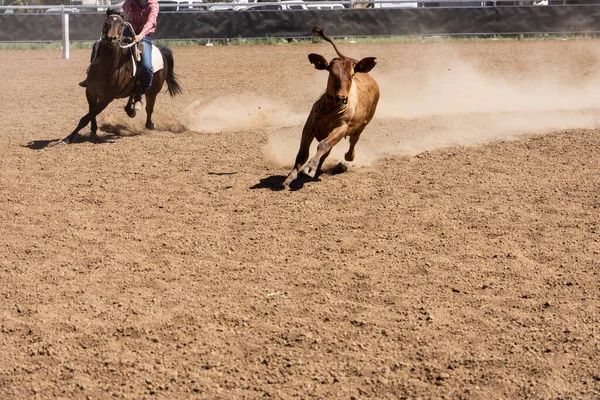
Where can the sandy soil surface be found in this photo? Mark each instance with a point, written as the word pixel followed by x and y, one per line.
pixel 457 258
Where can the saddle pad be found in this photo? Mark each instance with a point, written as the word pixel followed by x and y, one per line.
pixel 157 60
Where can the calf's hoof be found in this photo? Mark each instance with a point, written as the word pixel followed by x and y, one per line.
pixel 310 172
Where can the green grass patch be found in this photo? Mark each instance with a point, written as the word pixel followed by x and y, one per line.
pixel 44 45
pixel 297 41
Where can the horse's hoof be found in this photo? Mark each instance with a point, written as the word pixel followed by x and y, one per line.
pixel 150 126
pixel 130 112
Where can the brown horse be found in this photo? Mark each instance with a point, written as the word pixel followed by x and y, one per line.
pixel 110 76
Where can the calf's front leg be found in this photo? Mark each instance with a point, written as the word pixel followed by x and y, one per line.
pixel 307 138
pixel 324 149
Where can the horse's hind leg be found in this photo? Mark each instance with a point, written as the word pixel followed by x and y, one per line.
pixel 150 100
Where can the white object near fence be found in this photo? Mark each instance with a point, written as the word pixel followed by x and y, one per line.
pixel 65 35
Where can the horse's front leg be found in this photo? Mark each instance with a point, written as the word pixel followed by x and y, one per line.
pixel 92 102
pixel 129 108
pixel 95 109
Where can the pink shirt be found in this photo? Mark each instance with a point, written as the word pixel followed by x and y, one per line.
pixel 142 18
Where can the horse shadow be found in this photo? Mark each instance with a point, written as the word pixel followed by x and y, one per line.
pixel 113 132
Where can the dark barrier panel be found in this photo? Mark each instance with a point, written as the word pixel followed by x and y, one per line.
pixel 381 22
pixel 350 22
pixel 48 27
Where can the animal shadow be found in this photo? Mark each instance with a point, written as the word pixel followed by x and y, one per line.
pixel 42 144
pixel 275 182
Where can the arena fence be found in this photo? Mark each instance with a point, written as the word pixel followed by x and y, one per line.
pixel 204 21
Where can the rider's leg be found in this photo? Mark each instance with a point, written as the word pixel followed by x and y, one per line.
pixel 96 48
pixel 145 71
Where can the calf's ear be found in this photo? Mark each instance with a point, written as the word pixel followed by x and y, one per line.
pixel 365 65
pixel 318 60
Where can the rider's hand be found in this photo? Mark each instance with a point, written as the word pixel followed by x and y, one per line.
pixel 138 38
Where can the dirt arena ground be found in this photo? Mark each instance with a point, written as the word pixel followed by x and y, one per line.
pixel 457 258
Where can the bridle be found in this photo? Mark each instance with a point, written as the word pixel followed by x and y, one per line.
pixel 108 41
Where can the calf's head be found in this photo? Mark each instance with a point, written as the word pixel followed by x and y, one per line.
pixel 341 69
pixel 341 72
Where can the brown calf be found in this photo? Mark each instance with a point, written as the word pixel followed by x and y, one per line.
pixel 345 109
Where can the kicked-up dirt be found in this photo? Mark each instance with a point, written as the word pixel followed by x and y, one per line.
pixel 457 258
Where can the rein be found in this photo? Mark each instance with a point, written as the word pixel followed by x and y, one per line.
pixel 120 41
pixel 126 46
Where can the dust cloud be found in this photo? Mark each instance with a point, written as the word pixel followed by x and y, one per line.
pixel 120 125
pixel 239 113
pixel 455 103
pixel 457 87
pixel 448 102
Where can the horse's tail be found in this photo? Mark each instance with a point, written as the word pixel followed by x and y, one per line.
pixel 172 83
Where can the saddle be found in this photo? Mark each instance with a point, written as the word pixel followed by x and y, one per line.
pixel 136 53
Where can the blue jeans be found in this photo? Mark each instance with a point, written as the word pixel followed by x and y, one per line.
pixel 145 64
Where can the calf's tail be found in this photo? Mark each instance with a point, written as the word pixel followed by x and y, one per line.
pixel 318 31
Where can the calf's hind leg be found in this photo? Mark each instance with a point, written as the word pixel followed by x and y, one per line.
pixel 349 156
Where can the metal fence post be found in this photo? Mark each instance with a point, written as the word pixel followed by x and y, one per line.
pixel 65 34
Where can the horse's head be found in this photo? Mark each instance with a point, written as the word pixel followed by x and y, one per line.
pixel 112 31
